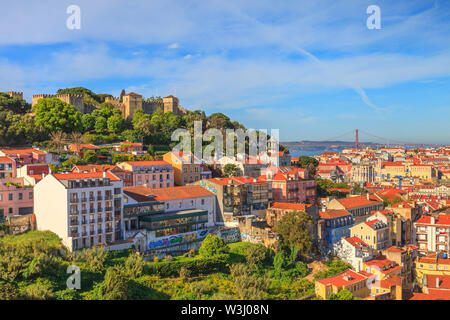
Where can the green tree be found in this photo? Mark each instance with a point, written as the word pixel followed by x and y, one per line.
pixel 248 286
pixel 213 245
pixel 341 295
pixel 53 114
pixel 134 265
pixel 13 104
pixel 116 123
pixel 8 291
pixel 257 255
pixel 305 161
pixel 88 122
pixel 116 285
pixel 100 124
pixel 293 229
pixel 90 156
pixel 230 170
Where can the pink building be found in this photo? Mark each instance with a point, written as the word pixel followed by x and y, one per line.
pixel 290 184
pixel 15 198
pixel 7 168
pixel 153 174
pixel 24 156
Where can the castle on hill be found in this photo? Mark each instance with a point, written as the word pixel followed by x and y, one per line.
pixel 126 103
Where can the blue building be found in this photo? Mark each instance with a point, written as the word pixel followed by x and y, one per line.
pixel 337 224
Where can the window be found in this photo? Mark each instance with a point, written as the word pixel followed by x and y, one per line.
pixel 203 201
pixel 10 197
pixel 20 196
pixel 30 195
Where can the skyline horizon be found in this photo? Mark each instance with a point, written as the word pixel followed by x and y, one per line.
pixel 285 66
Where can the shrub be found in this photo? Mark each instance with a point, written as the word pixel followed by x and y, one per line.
pixel 196 267
pixel 134 265
pixel 185 273
pixel 213 245
pixel 168 258
pixel 155 259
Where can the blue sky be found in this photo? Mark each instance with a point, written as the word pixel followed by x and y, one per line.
pixel 309 68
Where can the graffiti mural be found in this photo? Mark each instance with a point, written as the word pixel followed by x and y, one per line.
pixel 177 239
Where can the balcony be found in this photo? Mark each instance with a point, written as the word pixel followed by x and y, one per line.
pixel 73 222
pixel 83 199
pixel 91 199
pixel 99 198
pixel 92 210
pixel 108 208
pixel 108 219
pixel 99 219
pixel 100 209
pixel 74 213
pixel 83 211
pixel 108 197
pixel 74 234
pixel 74 200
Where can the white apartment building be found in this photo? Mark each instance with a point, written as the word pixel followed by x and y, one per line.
pixel 353 251
pixel 83 209
pixel 433 234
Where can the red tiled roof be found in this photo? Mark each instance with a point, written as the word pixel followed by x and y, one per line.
pixel 183 192
pixel 6 159
pixel 290 206
pixel 356 242
pixel 394 249
pixel 359 201
pixel 432 295
pixel 442 220
pixel 339 280
pixel 444 281
pixel 147 163
pixel 139 193
pixel 84 175
pixel 332 214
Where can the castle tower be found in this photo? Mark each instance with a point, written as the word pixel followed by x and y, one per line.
pixel 131 101
pixel 171 103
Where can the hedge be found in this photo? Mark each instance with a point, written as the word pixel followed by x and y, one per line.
pixel 196 266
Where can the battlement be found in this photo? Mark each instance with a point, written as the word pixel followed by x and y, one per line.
pixel 43 95
pixel 15 94
pixel 113 100
pixel 68 95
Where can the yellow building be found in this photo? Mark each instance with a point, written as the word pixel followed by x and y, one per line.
pixel 375 233
pixel 347 280
pixel 432 264
pixel 186 169
pixel 391 169
pixel 393 221
pixel 422 171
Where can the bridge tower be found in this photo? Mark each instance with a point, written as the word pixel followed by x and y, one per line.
pixel 356 139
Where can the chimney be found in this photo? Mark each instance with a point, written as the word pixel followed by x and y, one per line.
pixel 437 282
pixel 432 220
pixel 324 208
pixel 368 196
pixel 104 174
